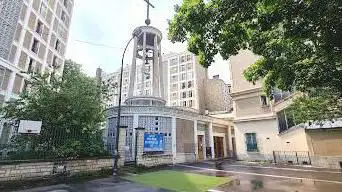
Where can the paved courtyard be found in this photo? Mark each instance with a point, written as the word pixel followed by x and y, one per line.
pixel 245 178
pixel 100 185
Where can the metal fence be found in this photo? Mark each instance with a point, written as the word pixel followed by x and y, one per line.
pixel 56 144
pixel 292 157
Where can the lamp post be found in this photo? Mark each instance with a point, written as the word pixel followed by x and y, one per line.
pixel 116 156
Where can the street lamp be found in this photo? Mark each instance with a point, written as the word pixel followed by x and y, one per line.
pixel 136 33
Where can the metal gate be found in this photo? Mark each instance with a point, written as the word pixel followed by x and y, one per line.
pixel 292 157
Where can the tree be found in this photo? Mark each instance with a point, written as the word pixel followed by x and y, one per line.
pixel 71 112
pixel 299 41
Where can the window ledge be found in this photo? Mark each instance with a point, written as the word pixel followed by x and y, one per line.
pixel 253 152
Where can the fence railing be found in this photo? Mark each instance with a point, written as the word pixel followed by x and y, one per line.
pixel 292 157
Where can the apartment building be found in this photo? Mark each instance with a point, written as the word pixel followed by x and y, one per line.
pixel 186 81
pixel 112 81
pixel 33 39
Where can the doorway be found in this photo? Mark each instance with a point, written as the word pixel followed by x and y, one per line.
pixel 218 147
pixel 200 147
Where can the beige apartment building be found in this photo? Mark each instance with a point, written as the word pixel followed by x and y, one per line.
pixel 33 39
pixel 265 130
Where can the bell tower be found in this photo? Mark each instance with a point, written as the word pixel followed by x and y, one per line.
pixel 146 66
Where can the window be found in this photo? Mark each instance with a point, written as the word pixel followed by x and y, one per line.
pixel 174 96
pixel 182 68
pixel 54 61
pixel 43 9
pixel 190 93
pixel 147 84
pixel 263 100
pixel 184 103
pixel 30 66
pixel 285 120
pixel 63 16
pixel 183 85
pixel 57 45
pixel 174 70
pixel 65 3
pixel 189 66
pixel 173 62
pixel 182 59
pixel 189 84
pixel 190 75
pixel 188 57
pixel 183 76
pixel 174 87
pixel 147 92
pixel 184 95
pixel 174 103
pixel 35 46
pixel 39 28
pixel 174 78
pixel 190 103
pixel 251 142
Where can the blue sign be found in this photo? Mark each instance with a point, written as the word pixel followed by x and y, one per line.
pixel 153 142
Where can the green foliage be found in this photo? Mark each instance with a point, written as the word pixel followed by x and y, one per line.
pixel 299 41
pixel 71 112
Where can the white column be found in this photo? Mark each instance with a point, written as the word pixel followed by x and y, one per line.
pixel 204 148
pixel 155 82
pixel 133 69
pixel 211 139
pixel 143 65
pixel 230 141
pixel 174 139
pixel 135 125
pixel 195 139
pixel 161 74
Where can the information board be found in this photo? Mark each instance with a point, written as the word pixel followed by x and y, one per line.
pixel 153 142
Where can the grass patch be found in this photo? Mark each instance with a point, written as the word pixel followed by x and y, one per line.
pixel 179 181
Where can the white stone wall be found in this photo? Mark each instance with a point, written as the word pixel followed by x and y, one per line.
pixel 264 129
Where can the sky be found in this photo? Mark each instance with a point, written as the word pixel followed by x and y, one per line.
pixel 111 23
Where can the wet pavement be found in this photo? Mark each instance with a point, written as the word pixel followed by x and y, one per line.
pixel 265 178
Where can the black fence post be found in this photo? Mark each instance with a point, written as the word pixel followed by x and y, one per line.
pixel 309 157
pixel 274 157
pixel 297 158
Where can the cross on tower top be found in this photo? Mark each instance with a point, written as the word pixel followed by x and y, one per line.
pixel 148 21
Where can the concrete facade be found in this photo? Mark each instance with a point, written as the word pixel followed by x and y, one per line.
pixel 217 95
pixel 180 128
pixel 33 39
